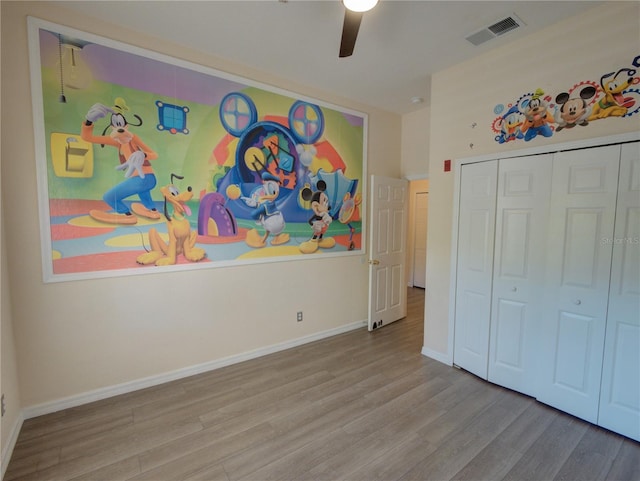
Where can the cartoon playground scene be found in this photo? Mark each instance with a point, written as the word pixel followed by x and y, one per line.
pixel 137 179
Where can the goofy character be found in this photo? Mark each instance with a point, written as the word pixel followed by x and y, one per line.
pixel 134 160
pixel 537 118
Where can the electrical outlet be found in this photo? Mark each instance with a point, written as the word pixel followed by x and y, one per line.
pixel 299 316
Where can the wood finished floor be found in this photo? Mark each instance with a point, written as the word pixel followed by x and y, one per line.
pixel 358 406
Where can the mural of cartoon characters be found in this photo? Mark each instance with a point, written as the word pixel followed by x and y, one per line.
pixel 100 183
pixel 273 166
pixel 537 117
pixel 618 99
pixel 573 110
pixel 319 221
pixel 265 211
pixel 134 156
pixel 182 240
pixel 264 146
pixel 614 103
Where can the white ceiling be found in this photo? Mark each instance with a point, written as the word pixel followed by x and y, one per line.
pixel 399 46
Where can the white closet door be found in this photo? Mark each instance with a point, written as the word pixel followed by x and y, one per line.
pixel 524 186
pixel 476 225
pixel 584 188
pixel 620 394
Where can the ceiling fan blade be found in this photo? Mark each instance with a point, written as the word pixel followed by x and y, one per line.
pixel 349 32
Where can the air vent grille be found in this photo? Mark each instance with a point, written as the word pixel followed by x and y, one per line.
pixel 496 29
pixel 504 26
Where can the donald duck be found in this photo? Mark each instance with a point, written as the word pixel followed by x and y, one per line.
pixel 265 211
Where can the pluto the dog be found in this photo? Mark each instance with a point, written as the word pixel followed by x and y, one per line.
pixel 181 239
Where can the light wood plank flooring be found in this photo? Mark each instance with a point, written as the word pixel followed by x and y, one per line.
pixel 358 406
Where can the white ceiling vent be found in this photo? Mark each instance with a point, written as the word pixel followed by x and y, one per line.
pixel 495 30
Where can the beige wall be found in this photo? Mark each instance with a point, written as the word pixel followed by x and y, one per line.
pixel 415 167
pixel 415 144
pixel 75 337
pixel 586 46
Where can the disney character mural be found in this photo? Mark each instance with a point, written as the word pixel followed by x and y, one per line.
pixel 275 164
pixel 541 114
pixel 249 152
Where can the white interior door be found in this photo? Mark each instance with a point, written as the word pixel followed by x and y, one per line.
pixel 524 185
pixel 420 241
pixel 584 190
pixel 620 390
pixel 387 282
pixel 476 226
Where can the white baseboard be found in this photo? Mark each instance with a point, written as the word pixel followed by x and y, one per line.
pixel 7 450
pixel 438 356
pixel 103 393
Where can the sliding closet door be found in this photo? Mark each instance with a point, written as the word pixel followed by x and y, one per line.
pixel 524 186
pixel 620 393
pixel 476 225
pixel 578 266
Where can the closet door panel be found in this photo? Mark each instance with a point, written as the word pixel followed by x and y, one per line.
pixel 620 391
pixel 507 343
pixel 476 225
pixel 524 185
pixel 573 351
pixel 578 265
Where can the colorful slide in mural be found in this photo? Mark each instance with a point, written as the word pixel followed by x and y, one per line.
pixel 535 114
pixel 146 161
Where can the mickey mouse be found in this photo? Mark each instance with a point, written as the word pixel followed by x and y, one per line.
pixel 320 220
pixel 573 111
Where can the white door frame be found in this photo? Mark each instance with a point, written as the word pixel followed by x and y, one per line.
pixel 413 221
